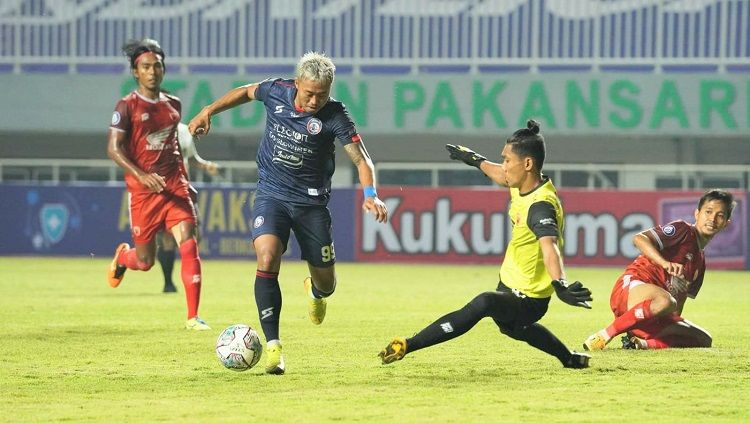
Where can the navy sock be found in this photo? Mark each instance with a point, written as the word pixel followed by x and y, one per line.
pixel 268 300
pixel 320 294
pixel 166 260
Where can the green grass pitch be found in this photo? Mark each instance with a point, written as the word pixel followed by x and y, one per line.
pixel 73 349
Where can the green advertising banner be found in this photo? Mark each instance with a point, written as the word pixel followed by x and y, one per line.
pixel 648 104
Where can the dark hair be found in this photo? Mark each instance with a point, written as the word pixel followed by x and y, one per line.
pixel 724 196
pixel 134 48
pixel 528 142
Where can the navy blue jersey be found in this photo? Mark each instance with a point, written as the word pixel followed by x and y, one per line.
pixel 296 154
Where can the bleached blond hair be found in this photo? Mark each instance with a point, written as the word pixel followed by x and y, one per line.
pixel 317 67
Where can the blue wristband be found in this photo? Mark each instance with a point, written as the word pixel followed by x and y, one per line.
pixel 370 191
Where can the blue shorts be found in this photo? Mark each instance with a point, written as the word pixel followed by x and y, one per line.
pixel 311 225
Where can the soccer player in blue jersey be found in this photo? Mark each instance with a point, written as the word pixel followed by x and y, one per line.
pixel 295 165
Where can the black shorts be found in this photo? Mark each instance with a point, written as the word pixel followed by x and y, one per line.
pixel 311 225
pixel 527 310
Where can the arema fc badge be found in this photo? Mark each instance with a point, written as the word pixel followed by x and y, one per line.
pixel 258 222
pixel 314 126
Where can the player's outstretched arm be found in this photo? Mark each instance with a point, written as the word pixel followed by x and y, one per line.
pixel 366 171
pixel 494 171
pixel 465 154
pixel 200 124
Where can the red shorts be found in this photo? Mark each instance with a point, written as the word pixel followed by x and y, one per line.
pixel 618 301
pixel 151 213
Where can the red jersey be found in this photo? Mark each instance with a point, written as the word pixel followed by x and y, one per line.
pixel 678 243
pixel 151 128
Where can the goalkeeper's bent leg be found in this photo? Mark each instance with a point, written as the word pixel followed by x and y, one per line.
pixel 455 324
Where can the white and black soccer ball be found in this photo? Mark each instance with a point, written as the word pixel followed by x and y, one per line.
pixel 239 347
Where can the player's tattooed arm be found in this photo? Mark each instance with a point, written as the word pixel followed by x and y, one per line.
pixel 366 170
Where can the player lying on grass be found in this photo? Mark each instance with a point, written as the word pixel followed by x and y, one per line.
pixel 533 267
pixel 648 298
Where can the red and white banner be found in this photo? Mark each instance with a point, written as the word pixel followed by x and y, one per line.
pixel 471 226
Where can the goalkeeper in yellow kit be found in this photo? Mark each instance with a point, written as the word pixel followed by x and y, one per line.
pixel 532 269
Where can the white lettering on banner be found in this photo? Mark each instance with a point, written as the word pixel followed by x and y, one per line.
pixel 439 231
pixel 632 224
pixel 592 227
pixel 493 245
pixel 410 241
pixel 372 230
pixel 606 228
pixel 449 228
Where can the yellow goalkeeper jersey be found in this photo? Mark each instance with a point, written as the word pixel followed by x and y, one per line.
pixel 523 266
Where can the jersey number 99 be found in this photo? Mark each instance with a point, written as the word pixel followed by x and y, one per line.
pixel 328 253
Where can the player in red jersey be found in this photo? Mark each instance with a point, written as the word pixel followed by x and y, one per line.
pixel 648 298
pixel 143 141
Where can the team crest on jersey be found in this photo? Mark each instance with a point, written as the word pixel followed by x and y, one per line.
pixel 314 126
pixel 116 118
pixel 258 222
pixel 669 230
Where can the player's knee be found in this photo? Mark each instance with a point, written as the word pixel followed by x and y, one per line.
pixel 704 339
pixel 663 304
pixel 267 260
pixel 483 303
pixel 145 265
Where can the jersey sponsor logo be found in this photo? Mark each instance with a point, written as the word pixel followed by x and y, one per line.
pixel 314 126
pixel 258 222
pixel 144 117
pixel 287 158
pixel 289 134
pixel 669 230
pixel 279 109
pixel 116 118
pixel 157 139
pixel 446 327
pixel 266 313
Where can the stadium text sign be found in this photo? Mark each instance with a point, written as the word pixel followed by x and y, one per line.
pixel 588 103
pixel 456 225
pixel 564 103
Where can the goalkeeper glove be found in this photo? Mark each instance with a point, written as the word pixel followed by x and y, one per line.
pixel 574 294
pixel 466 155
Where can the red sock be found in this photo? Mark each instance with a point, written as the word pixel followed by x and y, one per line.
pixel 191 275
pixel 632 317
pixel 129 259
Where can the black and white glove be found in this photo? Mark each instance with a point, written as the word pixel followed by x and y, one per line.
pixel 466 155
pixel 574 294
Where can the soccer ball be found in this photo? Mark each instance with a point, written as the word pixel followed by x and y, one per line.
pixel 239 347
